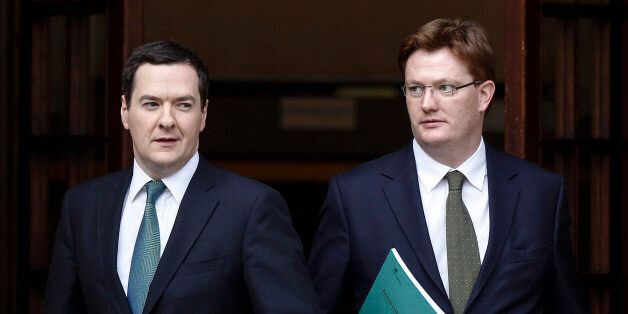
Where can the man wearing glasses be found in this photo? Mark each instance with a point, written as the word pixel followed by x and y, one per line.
pixel 482 231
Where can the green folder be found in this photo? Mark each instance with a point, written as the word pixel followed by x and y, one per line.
pixel 395 290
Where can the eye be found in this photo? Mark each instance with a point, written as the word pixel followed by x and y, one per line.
pixel 150 105
pixel 416 89
pixel 446 88
pixel 184 106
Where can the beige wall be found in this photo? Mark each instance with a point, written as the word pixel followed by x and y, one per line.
pixel 307 40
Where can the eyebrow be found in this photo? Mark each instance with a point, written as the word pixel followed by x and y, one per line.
pixel 436 82
pixel 443 81
pixel 186 97
pixel 148 98
pixel 155 98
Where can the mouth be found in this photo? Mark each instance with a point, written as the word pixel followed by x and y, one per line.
pixel 165 141
pixel 430 123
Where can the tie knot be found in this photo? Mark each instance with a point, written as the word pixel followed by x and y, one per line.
pixel 455 180
pixel 153 190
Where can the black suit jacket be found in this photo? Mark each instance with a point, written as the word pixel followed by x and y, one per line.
pixel 528 264
pixel 232 250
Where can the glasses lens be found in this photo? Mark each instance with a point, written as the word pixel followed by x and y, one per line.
pixel 415 91
pixel 418 91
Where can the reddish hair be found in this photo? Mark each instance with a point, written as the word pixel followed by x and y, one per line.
pixel 465 38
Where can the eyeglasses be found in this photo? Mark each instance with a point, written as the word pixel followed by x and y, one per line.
pixel 444 90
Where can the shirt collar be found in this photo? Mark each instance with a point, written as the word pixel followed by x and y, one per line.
pixel 176 183
pixel 431 172
pixel 474 168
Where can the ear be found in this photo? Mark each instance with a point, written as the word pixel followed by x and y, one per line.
pixel 204 114
pixel 486 91
pixel 124 111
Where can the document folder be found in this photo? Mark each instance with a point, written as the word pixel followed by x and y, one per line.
pixel 395 290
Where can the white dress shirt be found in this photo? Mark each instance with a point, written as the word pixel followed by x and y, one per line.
pixel 434 189
pixel 167 206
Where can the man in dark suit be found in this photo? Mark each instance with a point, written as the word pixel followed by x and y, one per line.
pixel 173 233
pixel 482 231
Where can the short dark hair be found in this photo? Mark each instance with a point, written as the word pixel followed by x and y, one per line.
pixel 164 52
pixel 466 39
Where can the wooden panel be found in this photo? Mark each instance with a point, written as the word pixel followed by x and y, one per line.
pixel 587 119
pixel 600 301
pixel 39 87
pixel 133 37
pixel 567 164
pixel 66 144
pixel 40 220
pixel 122 38
pixel 78 109
pixel 52 173
pixel 601 82
pixel 600 214
pixel 522 97
pixel 601 164
pixel 567 161
pixel 565 80
pixel 9 134
pixel 622 132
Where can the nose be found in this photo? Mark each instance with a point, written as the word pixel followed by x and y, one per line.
pixel 429 101
pixel 166 119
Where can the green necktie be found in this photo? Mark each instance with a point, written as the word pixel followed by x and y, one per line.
pixel 146 251
pixel 463 257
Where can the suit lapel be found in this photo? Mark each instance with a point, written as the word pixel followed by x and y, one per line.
pixel 503 196
pixel 405 201
pixel 195 210
pixel 108 227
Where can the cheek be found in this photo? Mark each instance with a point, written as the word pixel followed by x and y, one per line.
pixel 140 127
pixel 191 126
pixel 414 112
pixel 468 118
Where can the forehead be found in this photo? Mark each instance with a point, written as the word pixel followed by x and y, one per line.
pixel 442 64
pixel 160 79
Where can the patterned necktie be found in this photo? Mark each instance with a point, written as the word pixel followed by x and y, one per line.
pixel 146 251
pixel 463 257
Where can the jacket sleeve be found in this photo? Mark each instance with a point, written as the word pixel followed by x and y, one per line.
pixel 273 262
pixel 331 254
pixel 63 289
pixel 563 293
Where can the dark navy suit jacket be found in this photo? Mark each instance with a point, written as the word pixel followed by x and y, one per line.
pixel 232 250
pixel 528 266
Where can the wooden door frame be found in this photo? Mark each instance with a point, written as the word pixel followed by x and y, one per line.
pixel 9 139
pixel 521 75
pixel 122 39
pixel 124 25
pixel 522 133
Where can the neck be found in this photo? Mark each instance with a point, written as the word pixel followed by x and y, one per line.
pixel 449 154
pixel 157 172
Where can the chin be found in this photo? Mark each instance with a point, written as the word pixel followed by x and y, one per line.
pixel 432 140
pixel 164 162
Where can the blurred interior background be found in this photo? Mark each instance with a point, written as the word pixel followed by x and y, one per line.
pixel 300 91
